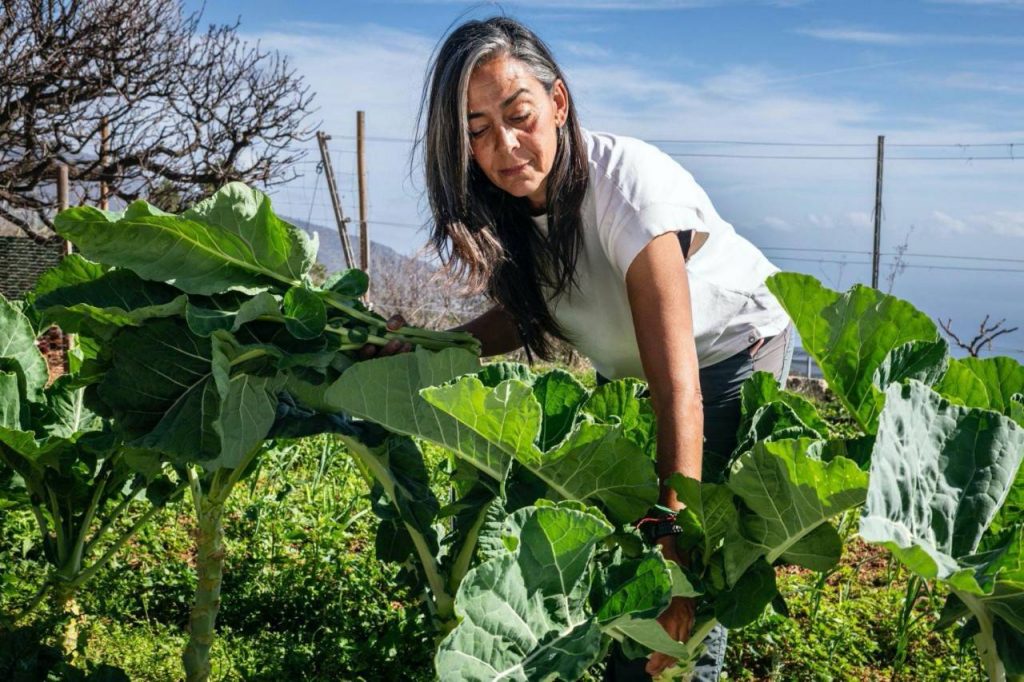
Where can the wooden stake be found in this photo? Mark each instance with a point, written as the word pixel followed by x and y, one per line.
pixel 364 235
pixel 332 187
pixel 878 211
pixel 62 197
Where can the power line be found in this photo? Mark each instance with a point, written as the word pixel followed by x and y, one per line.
pixel 902 265
pixel 745 142
pixel 893 253
pixel 765 143
pixel 777 157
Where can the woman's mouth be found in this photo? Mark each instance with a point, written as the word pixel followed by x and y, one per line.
pixel 515 170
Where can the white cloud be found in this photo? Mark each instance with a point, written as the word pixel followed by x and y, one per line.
pixel 581 49
pixel 1006 223
pixel 948 224
pixel 775 223
pixel 982 82
pixel 894 39
pixel 998 223
pixel 856 220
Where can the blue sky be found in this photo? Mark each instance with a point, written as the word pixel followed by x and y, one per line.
pixel 920 72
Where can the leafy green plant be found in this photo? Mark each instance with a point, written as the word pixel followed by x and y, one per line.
pixel 945 447
pixel 202 321
pixel 63 462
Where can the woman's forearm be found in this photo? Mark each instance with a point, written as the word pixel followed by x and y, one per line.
pixel 680 439
pixel 496 331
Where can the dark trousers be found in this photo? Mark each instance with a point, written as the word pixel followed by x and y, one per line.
pixel 720 389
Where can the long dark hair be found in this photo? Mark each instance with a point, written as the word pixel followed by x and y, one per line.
pixel 484 236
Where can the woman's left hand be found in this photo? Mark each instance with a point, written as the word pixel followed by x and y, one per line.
pixel 677 619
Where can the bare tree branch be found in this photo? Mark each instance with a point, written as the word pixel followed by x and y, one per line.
pixel 983 339
pixel 188 109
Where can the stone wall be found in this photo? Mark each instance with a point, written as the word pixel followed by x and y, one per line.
pixel 23 260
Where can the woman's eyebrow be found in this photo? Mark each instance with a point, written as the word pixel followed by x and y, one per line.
pixel 508 100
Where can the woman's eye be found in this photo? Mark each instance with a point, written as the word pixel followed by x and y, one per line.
pixel 521 117
pixel 477 133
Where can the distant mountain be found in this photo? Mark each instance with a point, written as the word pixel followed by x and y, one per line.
pixel 333 257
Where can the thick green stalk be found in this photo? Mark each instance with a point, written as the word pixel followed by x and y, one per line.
pixel 465 556
pixel 210 573
pixel 985 640
pixel 210 555
pixel 444 602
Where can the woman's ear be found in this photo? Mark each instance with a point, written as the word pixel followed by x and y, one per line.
pixel 560 101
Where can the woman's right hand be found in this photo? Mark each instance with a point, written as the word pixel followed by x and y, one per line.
pixel 392 347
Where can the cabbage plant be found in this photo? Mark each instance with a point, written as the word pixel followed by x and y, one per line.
pixel 943 442
pixel 88 492
pixel 203 322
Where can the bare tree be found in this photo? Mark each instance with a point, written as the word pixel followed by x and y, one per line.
pixel 986 335
pixel 899 264
pixel 187 109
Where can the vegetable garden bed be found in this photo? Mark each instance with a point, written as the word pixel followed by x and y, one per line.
pixel 203 341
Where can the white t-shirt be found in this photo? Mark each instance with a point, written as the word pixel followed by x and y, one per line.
pixel 637 193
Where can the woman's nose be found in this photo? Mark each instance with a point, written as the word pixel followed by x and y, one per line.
pixel 508 139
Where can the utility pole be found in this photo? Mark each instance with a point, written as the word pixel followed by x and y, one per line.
pixel 878 211
pixel 104 151
pixel 332 187
pixel 364 235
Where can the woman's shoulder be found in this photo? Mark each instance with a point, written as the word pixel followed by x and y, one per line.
pixel 640 171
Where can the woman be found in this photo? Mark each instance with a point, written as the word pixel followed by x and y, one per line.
pixel 601 241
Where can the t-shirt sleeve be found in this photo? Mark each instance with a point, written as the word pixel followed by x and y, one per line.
pixel 642 196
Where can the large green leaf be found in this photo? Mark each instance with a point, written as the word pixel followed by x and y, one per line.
pixel 228 312
pixel 859 339
pixel 386 391
pixel 231 240
pixel 632 593
pixel 78 292
pixel 559 396
pixel 595 462
pixel 770 413
pixel 176 393
pixel 65 414
pixel 625 402
pixel 939 474
pixel 524 615
pixel 710 506
pixel 789 494
pixel 989 383
pixel 18 343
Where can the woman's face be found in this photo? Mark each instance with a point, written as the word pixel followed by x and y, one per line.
pixel 513 126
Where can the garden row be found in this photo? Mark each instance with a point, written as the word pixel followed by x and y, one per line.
pixel 201 339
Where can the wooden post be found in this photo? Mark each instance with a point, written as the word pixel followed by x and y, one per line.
pixel 104 151
pixel 62 205
pixel 364 235
pixel 62 197
pixel 880 161
pixel 332 187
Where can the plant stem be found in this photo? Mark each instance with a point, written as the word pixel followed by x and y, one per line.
pixel 985 640
pixel 904 622
pixel 443 601
pixel 466 552
pixel 34 603
pixel 210 573
pixel 210 554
